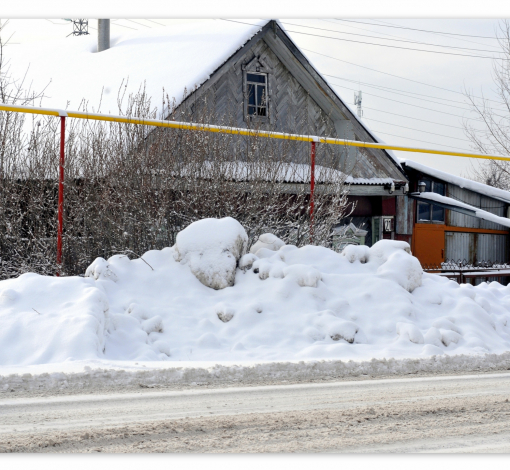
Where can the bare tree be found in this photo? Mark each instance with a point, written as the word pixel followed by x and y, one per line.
pixel 494 137
pixel 131 188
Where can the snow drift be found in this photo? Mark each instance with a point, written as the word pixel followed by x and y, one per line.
pixel 282 303
pixel 212 249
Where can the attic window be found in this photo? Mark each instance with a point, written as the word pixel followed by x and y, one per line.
pixel 256 84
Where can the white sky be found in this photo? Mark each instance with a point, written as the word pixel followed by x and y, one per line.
pixel 406 124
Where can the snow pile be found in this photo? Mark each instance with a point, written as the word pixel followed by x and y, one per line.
pixel 98 375
pixel 46 319
pixel 268 241
pixel 212 249
pixel 283 303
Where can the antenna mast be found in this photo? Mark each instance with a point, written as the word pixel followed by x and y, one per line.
pixel 80 27
pixel 357 102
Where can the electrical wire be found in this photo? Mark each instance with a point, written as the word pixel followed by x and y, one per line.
pixel 417 140
pixel 439 34
pixel 418 130
pixel 397 76
pixel 389 39
pixel 383 88
pixel 393 35
pixel 123 26
pixel 410 117
pixel 380 45
pixel 141 24
pixel 422 30
pixel 409 104
pixel 161 24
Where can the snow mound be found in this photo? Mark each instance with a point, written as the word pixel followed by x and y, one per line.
pixel 268 241
pixel 303 275
pixel 410 332
pixel 394 262
pixel 45 320
pixel 292 304
pixel 212 248
pixel 345 330
pixel 100 269
pixel 356 253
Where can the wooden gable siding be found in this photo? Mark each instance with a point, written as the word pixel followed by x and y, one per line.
pixel 292 109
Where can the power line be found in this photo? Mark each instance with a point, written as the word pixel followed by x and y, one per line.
pixel 409 104
pixel 439 34
pixel 415 118
pixel 396 47
pixel 161 24
pixel 122 26
pixel 389 39
pixel 422 30
pixel 376 44
pixel 141 24
pixel 418 140
pixel 397 76
pixel 418 130
pixel 383 88
pixel 393 35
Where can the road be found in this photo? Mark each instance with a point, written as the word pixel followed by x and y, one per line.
pixel 465 413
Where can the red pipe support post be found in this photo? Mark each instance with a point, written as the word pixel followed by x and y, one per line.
pixel 312 187
pixel 61 193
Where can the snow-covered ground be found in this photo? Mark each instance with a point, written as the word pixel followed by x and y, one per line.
pixel 309 308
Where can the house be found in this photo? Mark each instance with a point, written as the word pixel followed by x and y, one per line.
pixel 454 220
pixel 268 82
pixel 251 74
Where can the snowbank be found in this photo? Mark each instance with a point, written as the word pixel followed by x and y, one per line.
pixel 108 376
pixel 286 304
pixel 212 249
pixel 46 319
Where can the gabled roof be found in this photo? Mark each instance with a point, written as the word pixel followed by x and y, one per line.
pixel 300 66
pixel 174 58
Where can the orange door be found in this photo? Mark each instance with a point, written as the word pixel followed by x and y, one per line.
pixel 428 243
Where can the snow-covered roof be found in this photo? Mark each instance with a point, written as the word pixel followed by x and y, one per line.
pixel 174 58
pixel 280 173
pixel 465 183
pixel 481 214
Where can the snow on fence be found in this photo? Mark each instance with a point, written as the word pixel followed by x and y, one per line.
pixel 464 271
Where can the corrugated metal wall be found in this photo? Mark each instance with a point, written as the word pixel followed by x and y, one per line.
pixel 460 246
pixel 491 247
pixel 456 219
pixel 495 207
pixel 476 247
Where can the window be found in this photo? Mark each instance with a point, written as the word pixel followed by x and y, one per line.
pixel 429 212
pixel 256 84
pixel 258 81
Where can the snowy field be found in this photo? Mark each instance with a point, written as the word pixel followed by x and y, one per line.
pixel 205 308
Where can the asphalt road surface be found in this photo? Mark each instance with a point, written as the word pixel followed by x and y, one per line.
pixel 465 413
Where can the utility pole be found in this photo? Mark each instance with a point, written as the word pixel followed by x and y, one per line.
pixel 357 102
pixel 103 35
